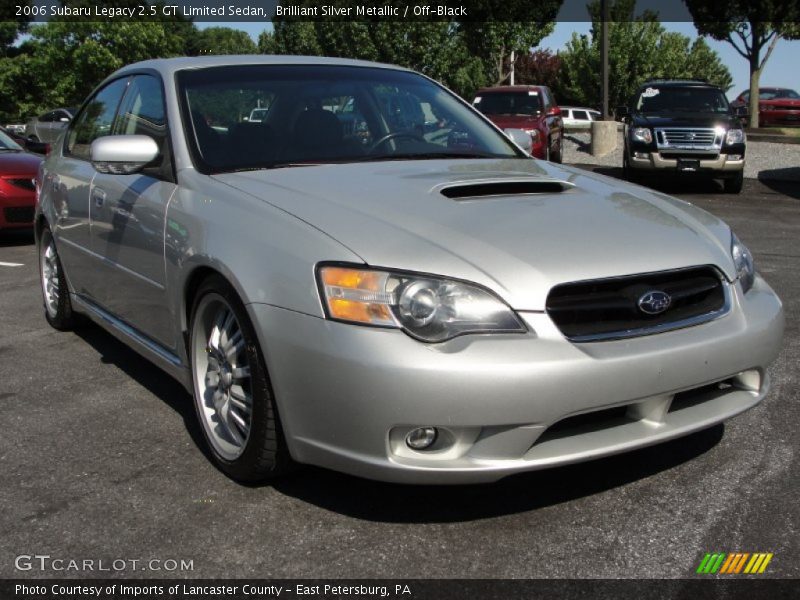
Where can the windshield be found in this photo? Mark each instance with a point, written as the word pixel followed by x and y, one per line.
pixel 509 103
pixel 323 114
pixel 6 143
pixel 655 99
pixel 776 94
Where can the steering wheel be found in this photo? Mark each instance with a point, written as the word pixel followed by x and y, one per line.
pixel 396 134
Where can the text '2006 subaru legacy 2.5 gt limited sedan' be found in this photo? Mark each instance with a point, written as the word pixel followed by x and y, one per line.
pixel 375 279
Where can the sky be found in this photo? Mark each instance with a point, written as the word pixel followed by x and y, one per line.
pixel 780 71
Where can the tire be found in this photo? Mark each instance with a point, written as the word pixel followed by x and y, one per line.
pixel 627 172
pixel 559 156
pixel 233 396
pixel 734 184
pixel 55 294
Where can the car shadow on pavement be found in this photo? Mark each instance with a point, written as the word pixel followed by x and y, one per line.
pixel 683 185
pixel 395 503
pixel 784 181
pixel 155 381
pixel 22 237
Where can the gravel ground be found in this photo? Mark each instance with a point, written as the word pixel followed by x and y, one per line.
pixel 765 160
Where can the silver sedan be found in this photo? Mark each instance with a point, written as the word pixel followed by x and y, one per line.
pixel 375 279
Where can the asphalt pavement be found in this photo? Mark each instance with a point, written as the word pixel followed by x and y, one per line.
pixel 101 459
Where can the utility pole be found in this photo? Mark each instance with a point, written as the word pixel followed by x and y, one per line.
pixel 513 58
pixel 605 17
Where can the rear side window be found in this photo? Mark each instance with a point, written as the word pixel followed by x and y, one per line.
pixel 580 115
pixel 96 119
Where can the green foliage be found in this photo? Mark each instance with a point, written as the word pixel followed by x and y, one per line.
pixel 493 42
pixel 752 27
pixel 64 59
pixel 638 50
pixel 221 40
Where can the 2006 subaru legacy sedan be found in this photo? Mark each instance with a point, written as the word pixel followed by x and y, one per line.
pixel 375 279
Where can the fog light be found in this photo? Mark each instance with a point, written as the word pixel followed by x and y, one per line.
pixel 421 438
pixel 734 157
pixel 640 155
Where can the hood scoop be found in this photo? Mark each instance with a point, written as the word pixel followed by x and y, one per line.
pixel 502 187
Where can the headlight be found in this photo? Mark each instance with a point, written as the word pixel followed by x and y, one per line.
pixel 743 261
pixel 431 309
pixel 534 133
pixel 735 136
pixel 643 134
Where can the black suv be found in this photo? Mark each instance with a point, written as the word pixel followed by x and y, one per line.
pixel 683 127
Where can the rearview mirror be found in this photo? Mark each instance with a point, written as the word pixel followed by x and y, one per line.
pixel 123 154
pixel 520 138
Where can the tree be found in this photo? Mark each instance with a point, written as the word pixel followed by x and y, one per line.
pixel 539 67
pixel 434 48
pixel 752 27
pixel 639 49
pixel 495 41
pixel 221 40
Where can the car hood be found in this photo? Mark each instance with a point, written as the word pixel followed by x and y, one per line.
pixel 19 163
pixel 394 214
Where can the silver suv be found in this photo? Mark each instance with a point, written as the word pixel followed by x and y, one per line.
pixel 414 301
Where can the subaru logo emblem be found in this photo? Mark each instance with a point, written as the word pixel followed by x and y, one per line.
pixel 654 302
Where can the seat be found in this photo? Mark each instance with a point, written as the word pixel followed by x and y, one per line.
pixel 318 133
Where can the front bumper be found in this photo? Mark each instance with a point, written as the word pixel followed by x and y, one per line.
pixel 721 165
pixel 347 395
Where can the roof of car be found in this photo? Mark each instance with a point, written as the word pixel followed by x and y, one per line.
pixel 509 88
pixel 168 66
pixel 678 83
pixel 579 108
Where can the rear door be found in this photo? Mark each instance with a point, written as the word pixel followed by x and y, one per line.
pixel 128 220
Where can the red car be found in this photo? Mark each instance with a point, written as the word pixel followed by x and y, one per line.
pixel 776 106
pixel 531 108
pixel 17 190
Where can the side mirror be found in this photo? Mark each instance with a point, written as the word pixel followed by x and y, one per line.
pixel 740 111
pixel 520 138
pixel 123 154
pixel 554 112
pixel 621 112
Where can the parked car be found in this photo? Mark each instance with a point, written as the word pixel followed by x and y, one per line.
pixel 531 108
pixel 683 127
pixel 443 311
pixel 30 145
pixel 17 172
pixel 578 117
pixel 776 106
pixel 48 126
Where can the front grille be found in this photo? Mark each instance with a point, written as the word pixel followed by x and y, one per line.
pixel 689 139
pixel 25 184
pixel 791 107
pixel 19 214
pixel 606 309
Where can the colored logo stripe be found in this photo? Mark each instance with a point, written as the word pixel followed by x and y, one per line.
pixel 734 563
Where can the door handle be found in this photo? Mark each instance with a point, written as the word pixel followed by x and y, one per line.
pixel 99 196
